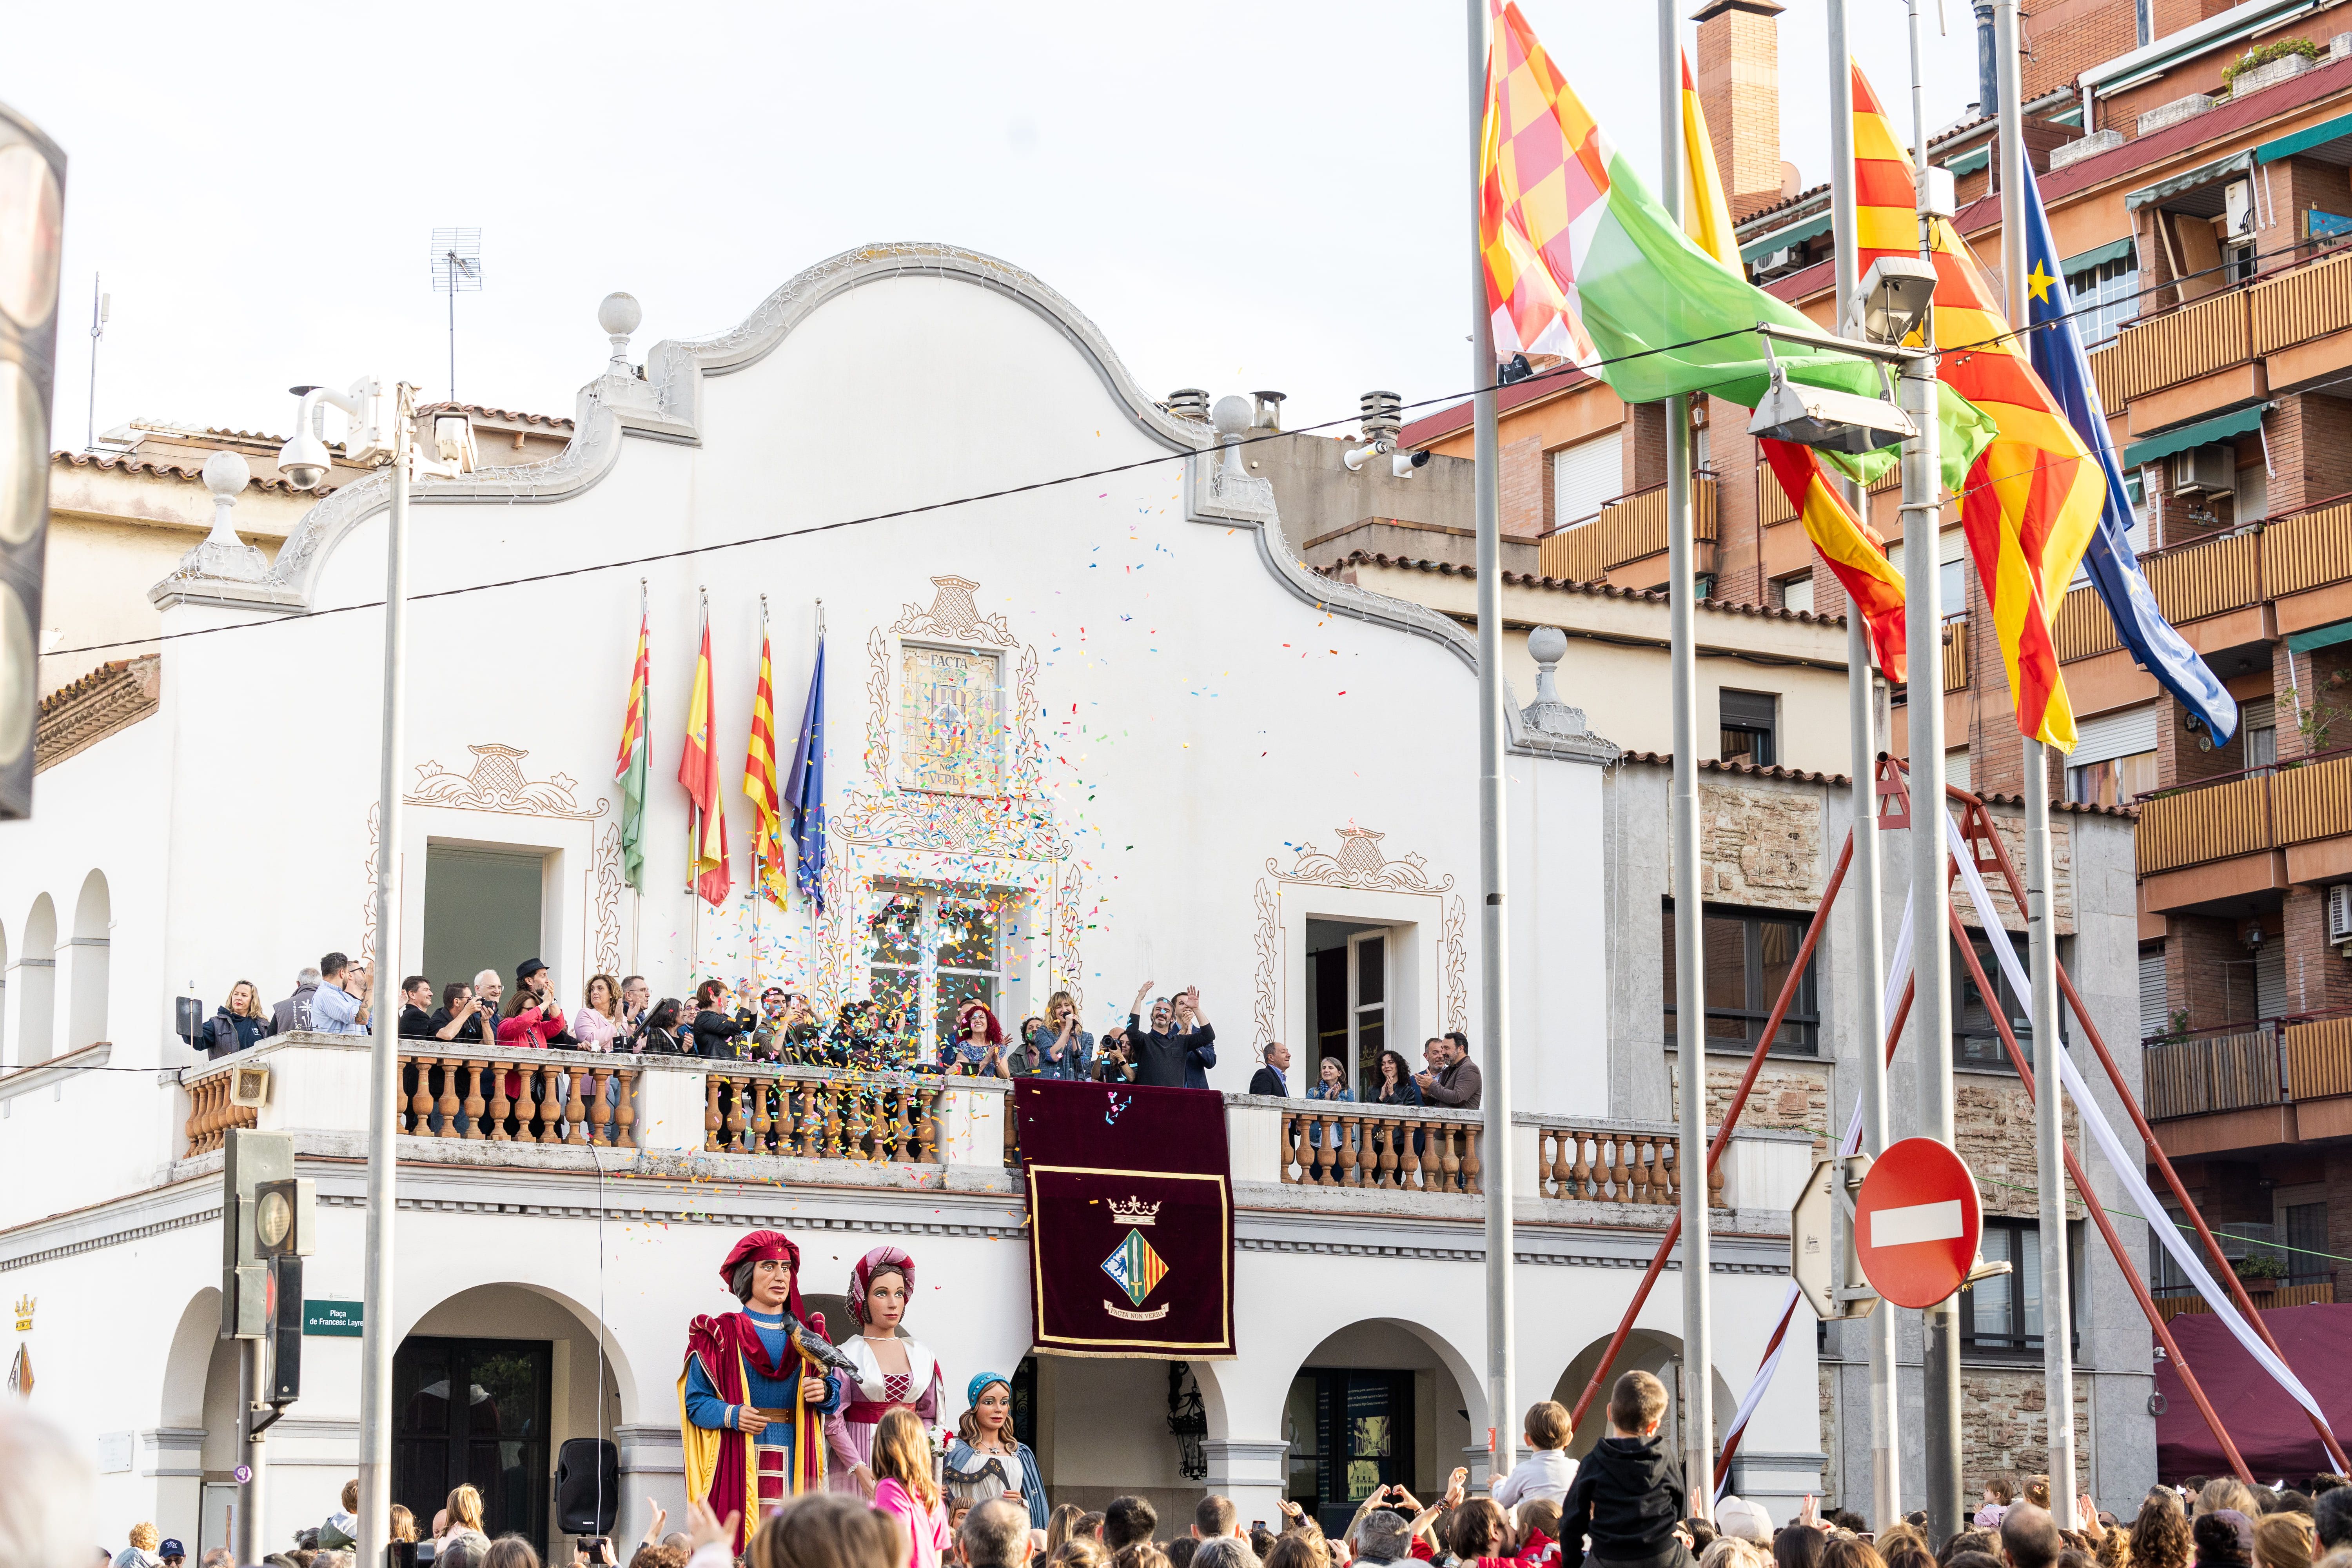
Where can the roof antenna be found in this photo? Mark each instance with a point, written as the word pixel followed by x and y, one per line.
pixel 101 306
pixel 456 270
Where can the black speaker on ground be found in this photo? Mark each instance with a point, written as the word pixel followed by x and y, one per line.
pixel 587 1486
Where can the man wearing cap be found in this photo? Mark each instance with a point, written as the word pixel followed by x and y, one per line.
pixel 173 1554
pixel 751 1405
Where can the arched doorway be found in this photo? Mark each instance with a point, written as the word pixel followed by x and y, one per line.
pixel 487 1387
pixel 88 969
pixel 1645 1350
pixel 1379 1402
pixel 196 1418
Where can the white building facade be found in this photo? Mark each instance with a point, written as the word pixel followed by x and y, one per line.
pixel 1081 735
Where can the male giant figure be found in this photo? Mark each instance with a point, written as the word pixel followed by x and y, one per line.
pixel 753 1404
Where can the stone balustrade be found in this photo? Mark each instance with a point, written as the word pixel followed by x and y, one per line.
pixel 1341 1144
pixel 812 1114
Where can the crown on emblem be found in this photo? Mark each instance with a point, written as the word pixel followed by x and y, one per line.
pixel 24 1312
pixel 1134 1210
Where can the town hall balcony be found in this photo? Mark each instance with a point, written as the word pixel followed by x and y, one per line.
pixel 501 1112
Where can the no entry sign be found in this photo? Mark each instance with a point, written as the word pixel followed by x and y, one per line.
pixel 1916 1223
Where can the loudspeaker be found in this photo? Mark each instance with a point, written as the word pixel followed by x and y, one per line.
pixel 587 1486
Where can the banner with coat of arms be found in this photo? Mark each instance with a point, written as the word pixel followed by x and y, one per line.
pixel 1130 1219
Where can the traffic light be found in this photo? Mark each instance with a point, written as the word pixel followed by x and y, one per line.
pixel 284 1384
pixel 267 1216
pixel 32 219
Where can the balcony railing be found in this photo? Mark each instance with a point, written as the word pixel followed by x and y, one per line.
pixel 2181 345
pixel 1955 653
pixel 2264 1293
pixel 532 1107
pixel 2244 1066
pixel 2266 808
pixel 1628 528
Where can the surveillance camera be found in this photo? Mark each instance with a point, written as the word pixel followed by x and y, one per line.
pixel 303 461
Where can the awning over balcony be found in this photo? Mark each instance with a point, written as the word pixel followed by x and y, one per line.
pixel 2204 433
pixel 2329 142
pixel 2320 637
pixel 2099 256
pixel 1781 238
pixel 2207 205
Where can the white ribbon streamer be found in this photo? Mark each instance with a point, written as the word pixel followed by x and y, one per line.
pixel 2128 1171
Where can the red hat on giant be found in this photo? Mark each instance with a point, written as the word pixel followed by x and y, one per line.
pixel 762 1247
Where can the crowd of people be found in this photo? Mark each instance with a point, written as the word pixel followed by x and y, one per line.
pixel 1169 1043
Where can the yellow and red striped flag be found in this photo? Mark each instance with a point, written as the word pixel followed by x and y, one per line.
pixel 2033 496
pixel 631 767
pixel 697 769
pixel 1852 549
pixel 759 783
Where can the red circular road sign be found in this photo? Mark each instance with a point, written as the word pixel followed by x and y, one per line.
pixel 1917 1221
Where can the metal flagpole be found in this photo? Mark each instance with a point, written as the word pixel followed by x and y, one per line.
pixel 1862 713
pixel 384 1049
pixel 1931 1015
pixel 2049 1106
pixel 1501 1406
pixel 1690 1031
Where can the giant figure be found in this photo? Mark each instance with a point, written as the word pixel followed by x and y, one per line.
pixel 893 1370
pixel 756 1389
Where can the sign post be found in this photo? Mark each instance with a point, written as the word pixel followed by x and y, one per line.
pixel 1826 1272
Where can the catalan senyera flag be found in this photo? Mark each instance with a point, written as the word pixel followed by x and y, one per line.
pixel 630 768
pixel 2032 500
pixel 759 783
pixel 1852 550
pixel 697 770
pixel 1582 262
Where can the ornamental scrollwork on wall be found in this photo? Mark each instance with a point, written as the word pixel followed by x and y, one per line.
pixel 1268 942
pixel 608 901
pixel 1360 863
pixel 367 914
pixel 953 617
pixel 1457 949
pixel 496 783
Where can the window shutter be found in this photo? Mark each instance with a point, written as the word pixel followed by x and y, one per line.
pixel 1584 476
pixel 1956 768
pixel 1753 709
pixel 2153 1019
pixel 2123 733
pixel 2270 977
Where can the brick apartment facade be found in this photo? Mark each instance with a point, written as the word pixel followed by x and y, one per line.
pixel 2206 217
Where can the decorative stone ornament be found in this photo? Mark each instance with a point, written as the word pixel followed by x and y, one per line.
pixel 222 553
pixel 1548 715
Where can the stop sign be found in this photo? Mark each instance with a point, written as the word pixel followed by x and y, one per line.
pixel 1916 1223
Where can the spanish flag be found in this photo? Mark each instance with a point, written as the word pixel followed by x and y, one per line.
pixel 2032 499
pixel 1850 548
pixel 697 770
pixel 759 783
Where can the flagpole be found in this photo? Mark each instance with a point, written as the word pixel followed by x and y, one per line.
pixel 1502 1406
pixel 2049 1103
pixel 758 892
pixel 1862 711
pixel 693 822
pixel 1690 1015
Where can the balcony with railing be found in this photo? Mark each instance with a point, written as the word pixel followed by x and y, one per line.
pixel 667 1116
pixel 2279 807
pixel 1628 529
pixel 1955 653
pixel 2283 1080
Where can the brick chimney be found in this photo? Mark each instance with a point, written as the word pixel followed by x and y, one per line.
pixel 1738 73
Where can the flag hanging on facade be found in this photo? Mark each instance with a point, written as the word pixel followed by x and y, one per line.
pixel 759 783
pixel 1852 549
pixel 2031 504
pixel 804 789
pixel 697 770
pixel 1654 315
pixel 630 768
pixel 2058 357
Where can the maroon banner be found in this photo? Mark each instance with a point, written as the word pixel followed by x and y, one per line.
pixel 2270 1430
pixel 1130 1219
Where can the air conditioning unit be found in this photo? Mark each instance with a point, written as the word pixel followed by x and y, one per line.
pixel 2205 471
pixel 2238 207
pixel 2340 913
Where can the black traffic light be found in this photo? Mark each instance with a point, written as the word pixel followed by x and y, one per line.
pixel 285 1381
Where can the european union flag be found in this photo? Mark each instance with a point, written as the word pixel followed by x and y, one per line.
pixel 2058 358
pixel 804 789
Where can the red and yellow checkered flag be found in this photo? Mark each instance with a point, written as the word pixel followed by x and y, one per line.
pixel 759 783
pixel 2034 497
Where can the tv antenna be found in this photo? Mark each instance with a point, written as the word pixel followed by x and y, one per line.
pixel 456 270
pixel 101 306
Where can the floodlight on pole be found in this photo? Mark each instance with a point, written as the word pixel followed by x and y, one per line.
pixel 1822 417
pixel 456 270
pixel 1896 294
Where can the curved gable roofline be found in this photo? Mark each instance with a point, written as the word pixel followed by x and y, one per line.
pixel 668 404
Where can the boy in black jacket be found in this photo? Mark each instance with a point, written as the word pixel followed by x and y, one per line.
pixel 1628 1496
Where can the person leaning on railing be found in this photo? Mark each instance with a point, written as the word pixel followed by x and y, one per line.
pixel 239 1024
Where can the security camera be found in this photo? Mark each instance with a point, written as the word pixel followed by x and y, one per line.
pixel 303 461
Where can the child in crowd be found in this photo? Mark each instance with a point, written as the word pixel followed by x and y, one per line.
pixel 1546 1471
pixel 906 1489
pixel 1628 1495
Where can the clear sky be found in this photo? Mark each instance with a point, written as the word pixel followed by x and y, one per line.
pixel 1270 194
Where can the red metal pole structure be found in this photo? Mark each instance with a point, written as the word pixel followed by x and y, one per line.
pixel 1730 1116
pixel 2091 1201
pixel 2156 1150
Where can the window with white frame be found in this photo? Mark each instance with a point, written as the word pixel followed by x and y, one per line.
pixel 2105 297
pixel 1797 593
pixel 930 951
pixel 952 719
pixel 1585 474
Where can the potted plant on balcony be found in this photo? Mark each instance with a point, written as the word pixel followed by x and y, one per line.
pixel 2260 1272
